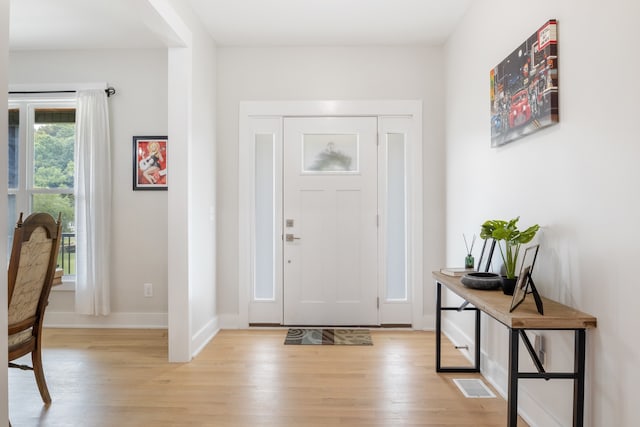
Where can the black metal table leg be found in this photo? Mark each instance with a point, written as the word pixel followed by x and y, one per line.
pixel 438 324
pixel 477 361
pixel 439 310
pixel 512 396
pixel 578 382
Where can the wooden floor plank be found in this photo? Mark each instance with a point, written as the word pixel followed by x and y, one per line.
pixel 245 378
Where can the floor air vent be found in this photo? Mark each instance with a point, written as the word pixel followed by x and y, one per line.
pixel 474 388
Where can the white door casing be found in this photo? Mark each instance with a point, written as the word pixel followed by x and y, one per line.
pixel 258 119
pixel 330 221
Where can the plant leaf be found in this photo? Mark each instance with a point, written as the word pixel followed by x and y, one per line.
pixel 527 235
pixel 513 238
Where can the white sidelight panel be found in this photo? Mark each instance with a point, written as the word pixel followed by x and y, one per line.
pixel 264 277
pixel 396 278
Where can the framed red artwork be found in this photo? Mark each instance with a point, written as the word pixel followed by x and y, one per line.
pixel 150 163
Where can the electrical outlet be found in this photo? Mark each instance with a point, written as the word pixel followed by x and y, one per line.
pixel 148 290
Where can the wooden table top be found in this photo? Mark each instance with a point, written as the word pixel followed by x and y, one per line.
pixel 496 304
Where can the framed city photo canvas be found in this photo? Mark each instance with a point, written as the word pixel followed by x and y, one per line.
pixel 524 87
pixel 150 163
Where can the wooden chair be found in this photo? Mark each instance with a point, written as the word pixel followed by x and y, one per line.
pixel 31 269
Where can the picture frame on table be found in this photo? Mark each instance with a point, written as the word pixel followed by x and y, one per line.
pixel 520 291
pixel 150 163
pixel 525 282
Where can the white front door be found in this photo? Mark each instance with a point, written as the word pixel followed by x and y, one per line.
pixel 330 221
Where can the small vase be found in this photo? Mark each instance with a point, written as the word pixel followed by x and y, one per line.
pixel 508 285
pixel 469 261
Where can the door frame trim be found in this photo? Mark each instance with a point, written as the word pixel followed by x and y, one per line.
pixel 250 110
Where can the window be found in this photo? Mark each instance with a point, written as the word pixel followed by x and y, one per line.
pixel 41 167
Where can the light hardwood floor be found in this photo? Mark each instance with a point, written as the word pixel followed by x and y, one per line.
pixel 245 378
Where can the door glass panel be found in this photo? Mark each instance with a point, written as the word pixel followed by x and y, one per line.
pixel 330 153
pixel 264 280
pixel 396 218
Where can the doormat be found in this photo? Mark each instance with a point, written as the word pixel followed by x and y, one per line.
pixel 328 337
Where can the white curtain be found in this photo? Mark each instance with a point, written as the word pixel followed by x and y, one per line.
pixel 93 203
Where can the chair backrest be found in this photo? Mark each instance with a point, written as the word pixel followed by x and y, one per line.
pixel 31 268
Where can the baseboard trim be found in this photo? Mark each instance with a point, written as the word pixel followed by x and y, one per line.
pixel 58 319
pixel 429 322
pixel 230 321
pixel 201 338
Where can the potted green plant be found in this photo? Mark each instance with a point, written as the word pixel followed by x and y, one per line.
pixel 507 232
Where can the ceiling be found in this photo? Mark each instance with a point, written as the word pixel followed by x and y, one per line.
pixel 91 24
pixel 78 24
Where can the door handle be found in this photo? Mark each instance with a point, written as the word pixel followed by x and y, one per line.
pixel 291 237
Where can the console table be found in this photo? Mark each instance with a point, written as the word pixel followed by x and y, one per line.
pixel 495 304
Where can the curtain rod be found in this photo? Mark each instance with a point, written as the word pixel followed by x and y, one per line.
pixel 109 91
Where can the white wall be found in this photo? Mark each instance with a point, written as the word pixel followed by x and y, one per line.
pixel 202 188
pixel 4 54
pixel 578 180
pixel 193 317
pixel 139 227
pixel 203 170
pixel 317 73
